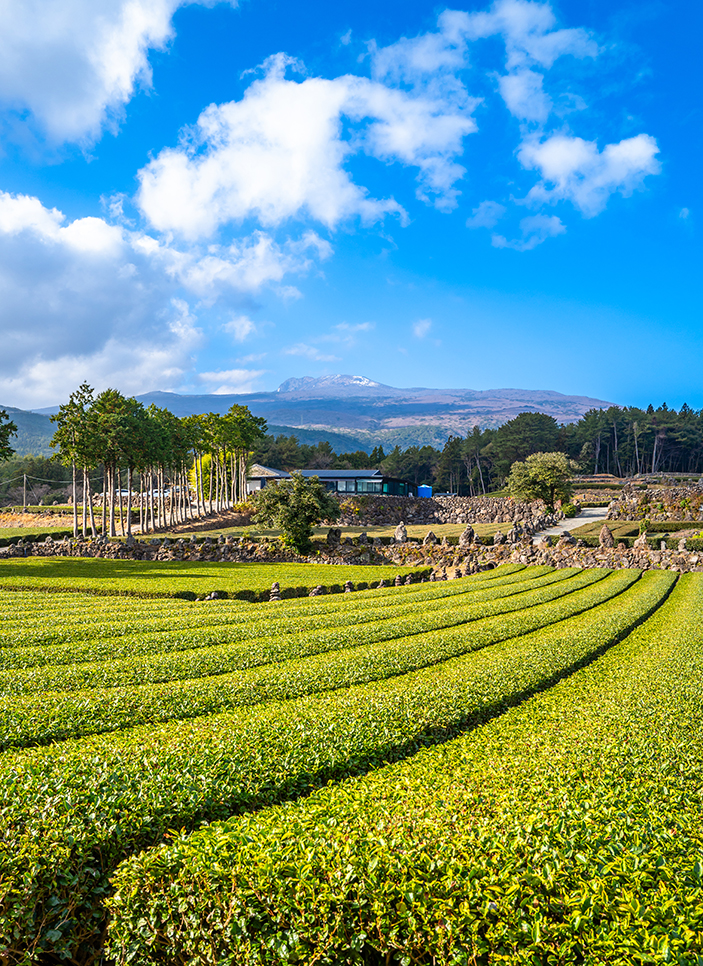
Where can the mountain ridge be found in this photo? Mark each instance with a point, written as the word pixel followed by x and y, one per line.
pixel 347 409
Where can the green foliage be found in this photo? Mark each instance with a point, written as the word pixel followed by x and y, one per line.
pixel 563 831
pixel 266 659
pixel 295 506
pixel 542 476
pixel 74 809
pixel 569 510
pixel 152 578
pixel 7 429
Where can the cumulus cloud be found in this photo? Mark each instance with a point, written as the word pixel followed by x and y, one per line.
pixel 487 215
pixel 113 305
pixel 279 153
pixel 524 96
pixel 575 170
pixel 535 229
pixel 74 63
pixel 226 381
pixel 240 327
pixel 421 328
pixel 531 37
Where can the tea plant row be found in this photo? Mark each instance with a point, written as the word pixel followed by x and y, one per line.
pixel 564 831
pixel 74 810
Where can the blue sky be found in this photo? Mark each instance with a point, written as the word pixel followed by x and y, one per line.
pixel 213 197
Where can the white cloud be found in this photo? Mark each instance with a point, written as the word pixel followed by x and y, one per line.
pixel 684 213
pixel 528 30
pixel 112 305
pixel 240 327
pixel 487 215
pixel 535 230
pixel 421 328
pixel 135 361
pixel 252 357
pixel 228 381
pixel 531 39
pixel 524 96
pixel 74 63
pixel 308 352
pixel 279 153
pixel 578 172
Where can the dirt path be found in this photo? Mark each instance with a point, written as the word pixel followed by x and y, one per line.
pixel 589 514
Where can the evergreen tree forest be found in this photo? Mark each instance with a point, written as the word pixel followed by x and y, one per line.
pixel 622 441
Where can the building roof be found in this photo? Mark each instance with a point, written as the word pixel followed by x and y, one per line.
pixel 341 474
pixel 258 471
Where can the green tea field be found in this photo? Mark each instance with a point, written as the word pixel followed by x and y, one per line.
pixel 504 768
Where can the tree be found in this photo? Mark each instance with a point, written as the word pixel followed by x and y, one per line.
pixel 7 429
pixel 542 476
pixel 522 436
pixel 75 442
pixel 294 507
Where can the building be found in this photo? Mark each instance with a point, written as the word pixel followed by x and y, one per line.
pixel 339 481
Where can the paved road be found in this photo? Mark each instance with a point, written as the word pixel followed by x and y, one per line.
pixel 589 514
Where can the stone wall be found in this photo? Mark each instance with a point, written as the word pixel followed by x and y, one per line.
pixel 448 562
pixel 659 503
pixel 367 511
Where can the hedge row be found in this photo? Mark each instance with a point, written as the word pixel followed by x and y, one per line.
pixel 184 579
pixel 149 630
pixel 262 640
pixel 566 831
pixel 72 811
pixel 39 719
pixel 654 542
pixel 227 650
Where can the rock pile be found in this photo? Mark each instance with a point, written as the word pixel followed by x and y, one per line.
pixel 567 552
pixel 658 503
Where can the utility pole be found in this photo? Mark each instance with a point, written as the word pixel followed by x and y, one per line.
pixel 24 492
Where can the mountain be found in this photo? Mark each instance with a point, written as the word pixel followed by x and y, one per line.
pixel 312 383
pixel 354 412
pixel 34 431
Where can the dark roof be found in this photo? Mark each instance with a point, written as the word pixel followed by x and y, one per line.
pixel 341 474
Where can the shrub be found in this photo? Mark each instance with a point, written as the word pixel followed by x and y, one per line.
pixel 295 506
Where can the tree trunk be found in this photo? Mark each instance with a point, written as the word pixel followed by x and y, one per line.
pixel 141 503
pixel 104 513
pixel 85 505
pixel 93 528
pixel 129 501
pixel 150 501
pixel 73 497
pixel 119 497
pixel 113 531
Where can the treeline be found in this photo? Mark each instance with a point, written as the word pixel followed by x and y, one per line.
pixel 623 441
pixel 184 468
pixel 148 455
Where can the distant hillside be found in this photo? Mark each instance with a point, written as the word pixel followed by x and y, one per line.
pixel 34 431
pixel 373 413
pixel 353 412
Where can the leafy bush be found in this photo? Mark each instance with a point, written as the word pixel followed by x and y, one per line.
pixel 295 506
pixel 570 510
pixel 542 476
